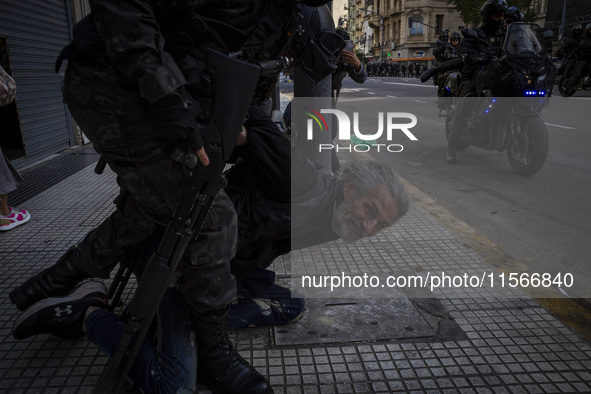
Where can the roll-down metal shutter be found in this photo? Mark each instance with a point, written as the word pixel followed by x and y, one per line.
pixel 36 31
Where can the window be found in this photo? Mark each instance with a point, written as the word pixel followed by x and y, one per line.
pixel 416 26
pixel 438 23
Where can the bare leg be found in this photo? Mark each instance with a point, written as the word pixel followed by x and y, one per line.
pixel 4 210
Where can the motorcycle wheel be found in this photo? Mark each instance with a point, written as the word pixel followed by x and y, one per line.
pixel 460 146
pixel 564 92
pixel 528 148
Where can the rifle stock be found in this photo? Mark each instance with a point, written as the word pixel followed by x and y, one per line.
pixel 234 84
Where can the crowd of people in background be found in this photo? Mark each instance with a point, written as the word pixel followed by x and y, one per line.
pixel 407 69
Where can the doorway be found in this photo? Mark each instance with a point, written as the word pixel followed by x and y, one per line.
pixel 11 139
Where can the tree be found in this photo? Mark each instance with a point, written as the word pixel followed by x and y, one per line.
pixel 470 9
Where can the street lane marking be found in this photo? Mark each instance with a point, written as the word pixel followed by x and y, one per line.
pixel 571 98
pixel 411 84
pixel 560 126
pixel 347 100
pixel 391 96
pixel 422 102
pixel 370 93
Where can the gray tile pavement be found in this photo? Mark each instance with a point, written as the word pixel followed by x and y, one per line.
pixel 474 341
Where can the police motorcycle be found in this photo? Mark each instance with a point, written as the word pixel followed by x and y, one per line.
pixel 448 81
pixel 446 77
pixel 511 91
pixel 584 84
pixel 449 88
pixel 567 68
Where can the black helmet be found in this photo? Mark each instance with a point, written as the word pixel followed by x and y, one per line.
pixel 488 10
pixel 577 30
pixel 455 36
pixel 588 29
pixel 514 14
pixel 444 36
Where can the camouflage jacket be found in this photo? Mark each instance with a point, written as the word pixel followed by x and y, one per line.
pixel 147 42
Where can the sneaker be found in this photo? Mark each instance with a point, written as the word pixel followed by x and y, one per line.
pixel 277 306
pixel 61 316
pixel 14 219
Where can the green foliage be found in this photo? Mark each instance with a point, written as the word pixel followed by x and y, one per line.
pixel 470 9
pixel 359 54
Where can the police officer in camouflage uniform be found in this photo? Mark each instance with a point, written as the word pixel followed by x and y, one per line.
pixel 136 84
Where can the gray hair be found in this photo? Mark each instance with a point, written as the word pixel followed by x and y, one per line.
pixel 366 175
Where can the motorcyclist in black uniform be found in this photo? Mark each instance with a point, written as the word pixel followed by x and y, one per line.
pixel 454 41
pixel 476 50
pixel 568 50
pixel 583 59
pixel 513 14
pixel 443 58
pixel 440 46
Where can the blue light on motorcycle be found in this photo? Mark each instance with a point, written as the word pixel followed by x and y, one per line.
pixel 535 93
pixel 486 111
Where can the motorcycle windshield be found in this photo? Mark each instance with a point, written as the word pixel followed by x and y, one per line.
pixel 522 40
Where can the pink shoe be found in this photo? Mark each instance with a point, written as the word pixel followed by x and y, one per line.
pixel 14 219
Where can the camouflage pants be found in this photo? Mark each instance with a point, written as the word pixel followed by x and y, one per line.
pixel 114 118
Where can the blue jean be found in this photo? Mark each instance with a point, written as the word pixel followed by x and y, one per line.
pixel 168 365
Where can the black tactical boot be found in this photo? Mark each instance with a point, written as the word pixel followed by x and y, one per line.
pixel 451 156
pixel 219 366
pixel 56 280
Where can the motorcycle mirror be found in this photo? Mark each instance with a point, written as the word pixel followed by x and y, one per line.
pixel 548 34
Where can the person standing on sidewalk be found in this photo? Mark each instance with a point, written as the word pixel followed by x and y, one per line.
pixel 9 176
pixel 9 179
pixel 137 86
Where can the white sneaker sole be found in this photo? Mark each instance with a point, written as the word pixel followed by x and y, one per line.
pixel 81 291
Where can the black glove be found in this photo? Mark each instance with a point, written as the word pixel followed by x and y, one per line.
pixel 175 118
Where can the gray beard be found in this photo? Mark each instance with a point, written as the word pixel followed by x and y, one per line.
pixel 338 223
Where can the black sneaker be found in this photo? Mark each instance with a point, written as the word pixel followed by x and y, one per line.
pixel 61 316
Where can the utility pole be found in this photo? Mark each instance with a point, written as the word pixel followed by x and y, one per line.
pixel 562 26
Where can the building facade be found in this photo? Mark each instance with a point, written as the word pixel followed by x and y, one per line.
pixel 400 30
pixel 340 13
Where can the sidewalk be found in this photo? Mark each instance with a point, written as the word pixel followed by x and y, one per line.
pixel 416 345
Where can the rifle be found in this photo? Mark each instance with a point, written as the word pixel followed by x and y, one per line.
pixel 228 114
